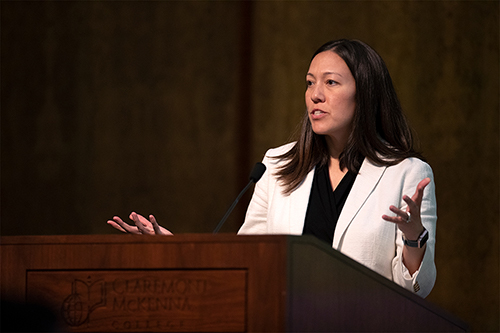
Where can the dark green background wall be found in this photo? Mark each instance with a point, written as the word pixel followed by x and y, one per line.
pixel 163 107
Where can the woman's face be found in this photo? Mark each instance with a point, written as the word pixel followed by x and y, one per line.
pixel 330 96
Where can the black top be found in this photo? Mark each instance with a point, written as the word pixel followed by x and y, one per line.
pixel 325 205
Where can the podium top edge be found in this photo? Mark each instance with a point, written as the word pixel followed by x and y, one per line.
pixel 130 238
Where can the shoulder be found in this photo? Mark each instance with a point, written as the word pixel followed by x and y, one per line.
pixel 411 170
pixel 408 170
pixel 414 164
pixel 408 164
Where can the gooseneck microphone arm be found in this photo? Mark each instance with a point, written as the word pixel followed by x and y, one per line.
pixel 257 172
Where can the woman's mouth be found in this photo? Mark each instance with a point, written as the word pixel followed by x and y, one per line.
pixel 317 114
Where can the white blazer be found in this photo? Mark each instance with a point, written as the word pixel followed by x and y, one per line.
pixel 361 233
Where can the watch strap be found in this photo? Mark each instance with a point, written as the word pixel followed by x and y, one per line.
pixel 420 242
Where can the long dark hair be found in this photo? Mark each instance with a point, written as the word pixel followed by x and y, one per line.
pixel 380 131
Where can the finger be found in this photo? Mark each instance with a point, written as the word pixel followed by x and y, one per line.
pixel 401 214
pixel 419 192
pixel 140 218
pixel 413 208
pixel 393 219
pixel 156 227
pixel 116 226
pixel 139 224
pixel 400 218
pixel 424 182
pixel 148 226
pixel 125 226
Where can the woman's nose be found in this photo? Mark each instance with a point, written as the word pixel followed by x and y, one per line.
pixel 318 95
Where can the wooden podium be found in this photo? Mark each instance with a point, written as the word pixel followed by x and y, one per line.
pixel 209 283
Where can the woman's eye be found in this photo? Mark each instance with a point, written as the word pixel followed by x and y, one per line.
pixel 309 83
pixel 331 82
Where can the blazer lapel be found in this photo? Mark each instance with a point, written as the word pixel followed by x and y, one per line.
pixel 367 179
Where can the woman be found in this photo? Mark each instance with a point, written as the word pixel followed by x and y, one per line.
pixel 348 178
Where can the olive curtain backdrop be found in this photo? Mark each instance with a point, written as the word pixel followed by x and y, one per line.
pixel 163 107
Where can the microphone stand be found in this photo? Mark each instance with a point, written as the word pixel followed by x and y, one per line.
pixel 216 230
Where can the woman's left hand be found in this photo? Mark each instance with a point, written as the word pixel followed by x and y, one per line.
pixel 409 221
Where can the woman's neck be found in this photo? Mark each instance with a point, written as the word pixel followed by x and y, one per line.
pixel 335 147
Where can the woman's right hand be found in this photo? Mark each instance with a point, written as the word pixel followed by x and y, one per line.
pixel 142 225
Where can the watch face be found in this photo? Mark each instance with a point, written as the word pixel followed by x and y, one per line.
pixel 423 238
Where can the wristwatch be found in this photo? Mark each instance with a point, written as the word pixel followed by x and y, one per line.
pixel 420 242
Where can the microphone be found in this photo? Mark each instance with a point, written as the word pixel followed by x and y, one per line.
pixel 257 172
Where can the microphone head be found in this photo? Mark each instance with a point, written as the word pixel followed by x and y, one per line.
pixel 257 172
